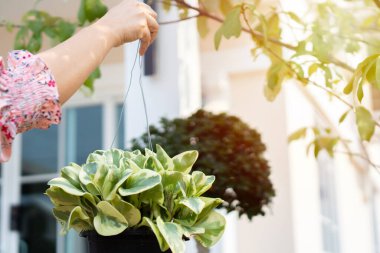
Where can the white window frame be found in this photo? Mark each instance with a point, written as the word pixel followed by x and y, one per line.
pixel 328 178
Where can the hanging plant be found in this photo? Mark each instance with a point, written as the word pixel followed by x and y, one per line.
pixel 119 194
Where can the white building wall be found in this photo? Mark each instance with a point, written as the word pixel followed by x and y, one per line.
pixel 304 175
pixel 275 231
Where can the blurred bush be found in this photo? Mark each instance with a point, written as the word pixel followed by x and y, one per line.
pixel 229 149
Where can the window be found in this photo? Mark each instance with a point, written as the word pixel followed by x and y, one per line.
pixel 38 164
pixel 375 220
pixel 84 132
pixel 121 130
pixel 40 151
pixel 330 226
pixel 38 225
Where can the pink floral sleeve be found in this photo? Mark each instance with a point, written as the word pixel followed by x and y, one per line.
pixel 28 98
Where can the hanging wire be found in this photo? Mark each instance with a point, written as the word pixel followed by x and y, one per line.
pixel 145 107
pixel 142 95
pixel 125 97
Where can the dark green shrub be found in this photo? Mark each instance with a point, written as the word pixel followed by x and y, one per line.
pixel 229 149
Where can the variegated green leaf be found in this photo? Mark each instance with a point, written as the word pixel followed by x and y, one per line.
pixel 161 240
pixel 184 162
pixel 129 211
pixel 152 163
pixel 71 173
pixel 115 178
pixel 164 158
pixel 173 235
pixel 190 231
pixel 61 198
pixel 202 182
pixel 154 195
pixel 65 185
pixel 78 220
pixel 109 221
pixel 194 204
pixel 214 225
pixel 86 177
pixel 139 182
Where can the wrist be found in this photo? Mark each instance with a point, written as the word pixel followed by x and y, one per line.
pixel 103 32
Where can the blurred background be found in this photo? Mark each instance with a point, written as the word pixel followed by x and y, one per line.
pixel 321 204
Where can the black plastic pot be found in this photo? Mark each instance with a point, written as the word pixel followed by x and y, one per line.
pixel 141 240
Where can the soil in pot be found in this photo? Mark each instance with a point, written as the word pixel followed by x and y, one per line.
pixel 141 240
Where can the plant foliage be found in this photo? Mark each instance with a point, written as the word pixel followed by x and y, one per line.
pixel 229 149
pixel 117 190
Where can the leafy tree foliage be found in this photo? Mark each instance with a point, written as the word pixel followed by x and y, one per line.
pixel 229 149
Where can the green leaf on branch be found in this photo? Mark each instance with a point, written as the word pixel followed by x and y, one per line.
pixel 365 123
pixel 225 6
pixel 90 10
pixel 353 47
pixel 232 24
pixel 360 92
pixel 326 143
pixel 349 87
pixel 344 116
pixel 166 5
pixel 231 27
pixel 313 68
pixel 21 40
pixel 275 77
pixel 9 27
pixel 35 43
pixel 299 134
pixel 202 26
pixel 295 17
pixel 89 83
pixel 218 38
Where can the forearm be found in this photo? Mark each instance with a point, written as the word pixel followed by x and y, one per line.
pixel 72 61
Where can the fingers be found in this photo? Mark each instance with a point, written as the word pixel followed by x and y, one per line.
pixel 145 40
pixel 153 27
pixel 149 33
pixel 150 11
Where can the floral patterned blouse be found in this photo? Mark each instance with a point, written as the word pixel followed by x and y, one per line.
pixel 28 98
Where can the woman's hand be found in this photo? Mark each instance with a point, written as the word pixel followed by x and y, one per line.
pixel 129 21
pixel 72 61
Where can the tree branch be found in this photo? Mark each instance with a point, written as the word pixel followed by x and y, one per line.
pixel 4 23
pixel 331 92
pixel 178 20
pixel 259 35
pixel 363 157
